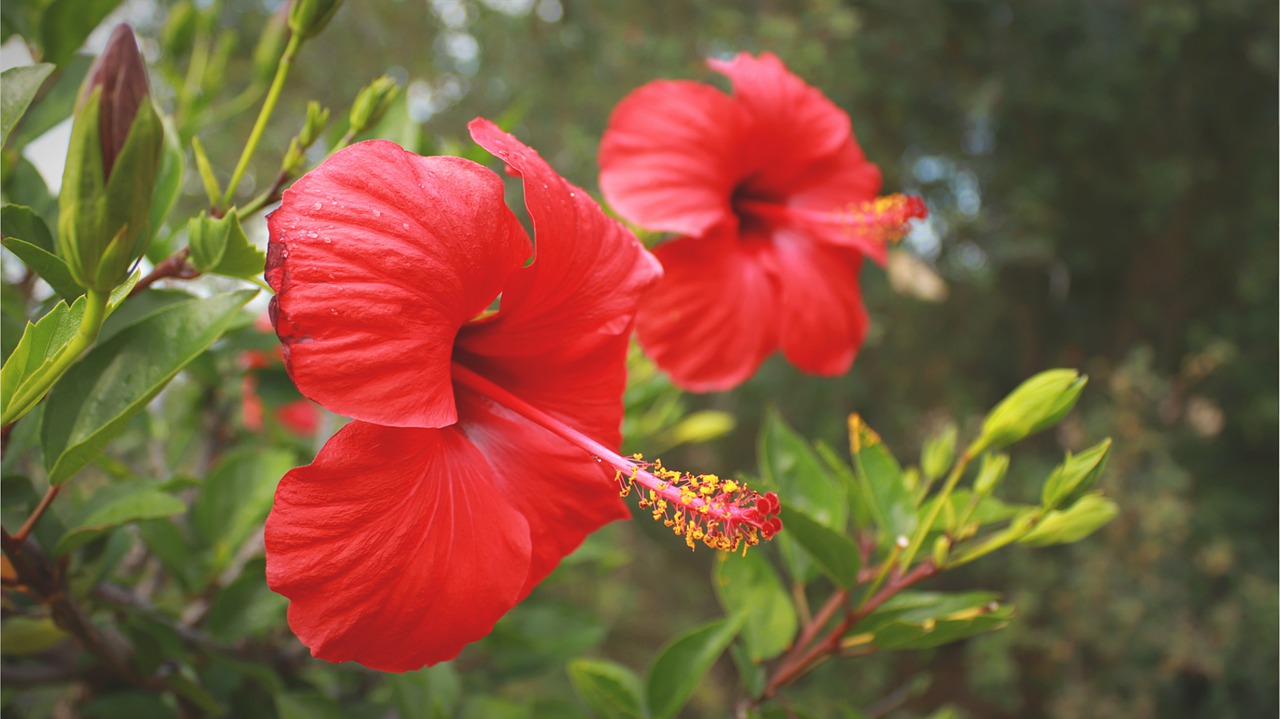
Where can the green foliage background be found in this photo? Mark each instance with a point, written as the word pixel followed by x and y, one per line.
pixel 1102 180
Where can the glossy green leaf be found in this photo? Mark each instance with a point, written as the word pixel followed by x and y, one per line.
pixel 95 399
pixel 880 475
pixel 609 689
pixel 219 246
pixel 40 341
pixel 116 505
pixel 55 104
pixel 236 498
pixel 835 554
pixel 1090 513
pixel 18 87
pixel 67 23
pixel 916 607
pixel 933 633
pixel 47 265
pixel 21 636
pixel 682 664
pixel 747 586
pixel 25 224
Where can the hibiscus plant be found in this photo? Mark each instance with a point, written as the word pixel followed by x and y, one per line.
pixel 335 428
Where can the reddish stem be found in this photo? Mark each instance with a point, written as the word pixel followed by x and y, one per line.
pixel 25 530
pixel 174 265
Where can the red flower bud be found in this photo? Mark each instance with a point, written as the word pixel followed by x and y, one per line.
pixel 122 76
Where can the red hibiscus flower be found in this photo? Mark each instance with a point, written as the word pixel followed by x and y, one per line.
pixel 482 446
pixel 296 414
pixel 775 206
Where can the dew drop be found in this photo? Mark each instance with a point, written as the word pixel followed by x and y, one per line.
pixel 377 213
pixel 333 310
pixel 318 205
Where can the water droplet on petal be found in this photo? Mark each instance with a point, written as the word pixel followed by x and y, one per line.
pixel 318 205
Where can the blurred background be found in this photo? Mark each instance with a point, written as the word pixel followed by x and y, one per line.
pixel 1102 181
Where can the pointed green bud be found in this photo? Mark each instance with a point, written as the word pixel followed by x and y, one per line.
pixel 372 103
pixel 112 162
pixel 1084 517
pixel 308 17
pixel 941 548
pixel 317 119
pixel 994 467
pixel 1075 476
pixel 179 32
pixel 938 453
pixel 1035 405
pixel 271 44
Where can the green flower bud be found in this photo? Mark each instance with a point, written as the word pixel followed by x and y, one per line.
pixel 317 118
pixel 372 103
pixel 112 161
pixel 179 30
pixel 994 467
pixel 1075 476
pixel 308 17
pixel 938 453
pixel 271 44
pixel 1036 404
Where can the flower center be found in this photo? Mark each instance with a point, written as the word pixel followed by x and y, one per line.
pixel 881 220
pixel 720 513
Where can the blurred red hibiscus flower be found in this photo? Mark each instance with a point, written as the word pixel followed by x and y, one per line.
pixel 295 413
pixel 454 491
pixel 775 206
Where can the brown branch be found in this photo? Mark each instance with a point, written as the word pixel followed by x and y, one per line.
pixel 25 530
pixel 174 266
pixel 46 583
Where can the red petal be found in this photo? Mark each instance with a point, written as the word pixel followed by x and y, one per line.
pixel 672 155
pixel 793 125
pixel 395 547
pixel 712 319
pixel 822 318
pixel 378 256
pixel 560 336
pixel 562 492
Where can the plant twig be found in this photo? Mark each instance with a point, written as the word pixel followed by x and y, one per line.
pixel 25 530
pixel 174 266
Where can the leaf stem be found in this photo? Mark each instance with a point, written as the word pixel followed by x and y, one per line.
pixel 25 530
pixel 268 106
pixel 35 388
pixel 942 497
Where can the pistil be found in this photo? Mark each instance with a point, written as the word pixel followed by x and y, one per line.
pixel 882 220
pixel 720 513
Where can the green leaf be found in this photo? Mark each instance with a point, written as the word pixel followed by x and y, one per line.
pixel 800 479
pixel 747 586
pixel 1090 513
pixel 430 693
pixel 219 246
pixel 116 505
pixel 295 705
pixel 116 380
pixel 40 342
pixel 128 705
pixel 23 222
pixel 835 554
pixel 168 184
pixel 67 23
pixel 611 690
pixel 246 607
pixel 21 636
pixel 682 663
pixel 18 87
pixel 879 473
pixel 55 104
pixel 49 266
pixel 236 498
pixel 916 620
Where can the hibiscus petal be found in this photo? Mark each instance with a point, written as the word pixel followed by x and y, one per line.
pixel 395 547
pixel 711 320
pixel 559 338
pixel 377 257
pixel 672 155
pixel 793 125
pixel 563 493
pixel 822 318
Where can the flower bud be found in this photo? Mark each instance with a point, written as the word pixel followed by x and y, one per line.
pixel 112 162
pixel 317 118
pixel 938 453
pixel 179 30
pixel 1036 404
pixel 271 44
pixel 308 17
pixel 1075 476
pixel 994 467
pixel 372 103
